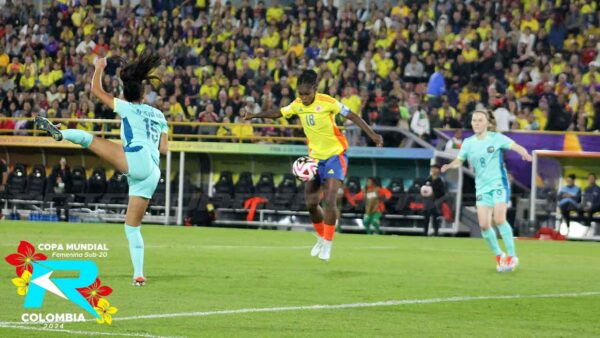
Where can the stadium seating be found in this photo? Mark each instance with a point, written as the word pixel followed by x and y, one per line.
pixel 353 186
pixel 225 184
pixel 17 182
pixel 244 189
pixel 96 185
pixel 397 201
pixel 158 199
pixel 223 190
pixel 116 191
pixel 414 200
pixel 78 181
pixel 298 202
pixel 286 190
pixel 36 183
pixel 265 187
pixel 188 190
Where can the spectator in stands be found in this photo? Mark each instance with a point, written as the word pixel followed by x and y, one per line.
pixel 590 203
pixel 502 115
pixel 3 181
pixel 6 125
pixel 414 71
pixel 449 116
pixel 436 87
pixel 569 197
pixel 208 116
pixel 3 175
pixel 374 47
pixel 243 130
pixel 453 145
pixel 181 129
pixel 433 203
pixel 420 124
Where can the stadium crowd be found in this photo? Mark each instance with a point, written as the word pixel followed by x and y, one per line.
pixel 414 64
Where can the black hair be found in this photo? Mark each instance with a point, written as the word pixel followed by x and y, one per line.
pixel 572 176
pixel 592 174
pixel 136 72
pixel 374 180
pixel 308 78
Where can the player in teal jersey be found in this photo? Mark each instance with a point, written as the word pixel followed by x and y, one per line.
pixel 484 151
pixel 144 136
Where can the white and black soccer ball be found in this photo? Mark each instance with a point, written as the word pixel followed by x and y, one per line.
pixel 305 168
pixel 426 190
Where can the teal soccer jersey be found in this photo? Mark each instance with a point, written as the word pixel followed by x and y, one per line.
pixel 141 127
pixel 486 158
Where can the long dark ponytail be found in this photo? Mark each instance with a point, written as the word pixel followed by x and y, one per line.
pixel 136 72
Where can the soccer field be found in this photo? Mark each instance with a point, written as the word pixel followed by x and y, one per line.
pixel 229 282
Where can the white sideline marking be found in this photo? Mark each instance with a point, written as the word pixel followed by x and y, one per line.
pixel 84 333
pixel 268 247
pixel 344 306
pixel 359 305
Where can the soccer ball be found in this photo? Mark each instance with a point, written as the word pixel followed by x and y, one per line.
pixel 305 168
pixel 426 191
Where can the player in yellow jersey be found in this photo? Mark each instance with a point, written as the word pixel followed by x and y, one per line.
pixel 327 145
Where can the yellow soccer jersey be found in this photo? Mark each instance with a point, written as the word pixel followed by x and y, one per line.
pixel 318 121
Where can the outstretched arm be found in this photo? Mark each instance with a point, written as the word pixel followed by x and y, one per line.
pixel 521 151
pixel 452 165
pixel 97 90
pixel 273 114
pixel 377 139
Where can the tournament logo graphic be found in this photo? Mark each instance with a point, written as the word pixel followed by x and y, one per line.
pixel 34 277
pixel 491 149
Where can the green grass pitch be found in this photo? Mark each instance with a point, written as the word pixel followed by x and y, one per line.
pixel 204 270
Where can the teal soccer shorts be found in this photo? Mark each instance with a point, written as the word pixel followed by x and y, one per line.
pixel 143 175
pixel 490 198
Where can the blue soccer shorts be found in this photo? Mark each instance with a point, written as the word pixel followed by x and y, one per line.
pixel 333 167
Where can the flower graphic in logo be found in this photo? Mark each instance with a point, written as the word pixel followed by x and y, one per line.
pixel 105 311
pixel 23 258
pixel 22 283
pixel 95 292
pixel 32 273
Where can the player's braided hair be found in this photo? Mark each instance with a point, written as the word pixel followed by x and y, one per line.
pixel 308 78
pixel 136 72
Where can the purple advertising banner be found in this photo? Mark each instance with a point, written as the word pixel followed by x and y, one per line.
pixel 589 142
pixel 520 169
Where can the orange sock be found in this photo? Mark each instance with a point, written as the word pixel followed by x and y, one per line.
pixel 328 232
pixel 319 228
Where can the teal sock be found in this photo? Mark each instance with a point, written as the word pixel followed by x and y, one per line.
pixel 492 240
pixel 136 249
pixel 506 232
pixel 83 138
